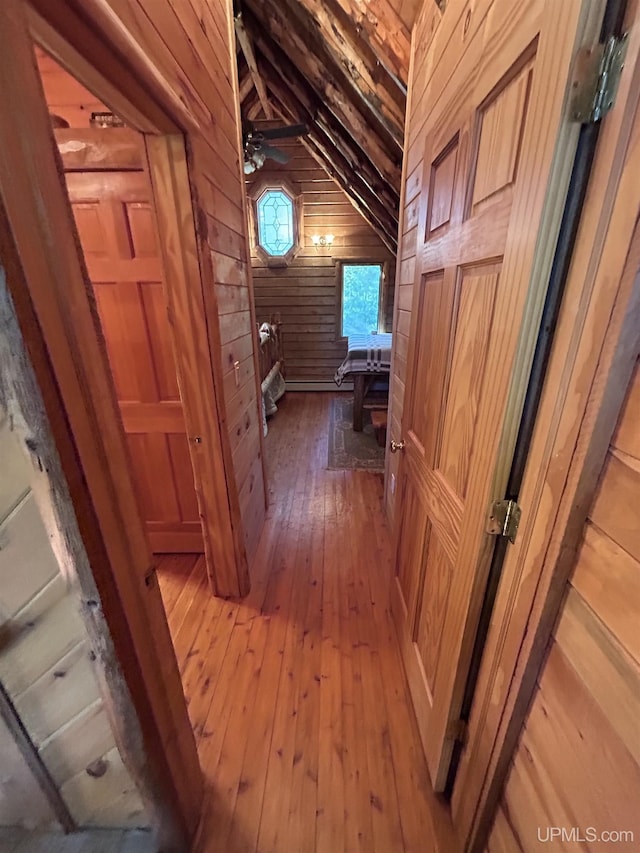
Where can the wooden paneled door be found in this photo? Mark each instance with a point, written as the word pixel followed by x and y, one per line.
pixel 112 204
pixel 497 149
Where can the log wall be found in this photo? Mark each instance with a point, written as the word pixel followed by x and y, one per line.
pixel 46 670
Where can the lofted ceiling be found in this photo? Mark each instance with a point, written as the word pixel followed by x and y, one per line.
pixel 340 67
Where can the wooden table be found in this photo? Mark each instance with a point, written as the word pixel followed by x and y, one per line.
pixel 372 352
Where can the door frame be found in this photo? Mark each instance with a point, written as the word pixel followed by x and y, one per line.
pixel 166 122
pixel 594 352
pixel 59 322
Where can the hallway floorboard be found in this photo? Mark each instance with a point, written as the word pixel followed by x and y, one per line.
pixel 296 694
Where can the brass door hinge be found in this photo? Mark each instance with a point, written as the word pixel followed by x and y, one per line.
pixel 504 519
pixel 596 79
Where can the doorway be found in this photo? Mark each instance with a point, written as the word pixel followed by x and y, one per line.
pixel 108 184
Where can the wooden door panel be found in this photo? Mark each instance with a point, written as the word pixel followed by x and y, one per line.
pixel 115 222
pixel 475 299
pixel 125 331
pixel 154 476
pixel 90 229
pixel 430 622
pixel 500 126
pixel 413 534
pixel 436 303
pixel 442 184
pixel 492 114
pixel 141 229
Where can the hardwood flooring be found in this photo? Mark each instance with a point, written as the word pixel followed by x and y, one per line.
pixel 296 694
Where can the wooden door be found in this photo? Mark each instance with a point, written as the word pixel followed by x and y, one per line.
pixel 497 149
pixel 112 205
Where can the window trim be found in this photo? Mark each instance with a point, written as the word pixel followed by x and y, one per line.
pixel 256 191
pixel 382 294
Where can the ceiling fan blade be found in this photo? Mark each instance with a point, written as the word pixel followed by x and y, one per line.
pixel 274 154
pixel 284 132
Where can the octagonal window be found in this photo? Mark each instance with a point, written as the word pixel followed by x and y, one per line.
pixel 275 222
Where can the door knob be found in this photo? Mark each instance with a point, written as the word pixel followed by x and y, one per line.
pixel 396 445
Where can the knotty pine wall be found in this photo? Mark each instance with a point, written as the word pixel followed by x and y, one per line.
pixel 46 669
pixel 305 293
pixel 423 33
pixel 190 45
pixel 578 760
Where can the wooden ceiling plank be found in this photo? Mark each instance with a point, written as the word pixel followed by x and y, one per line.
pixel 381 26
pixel 331 80
pixel 267 34
pixel 245 43
pixel 323 26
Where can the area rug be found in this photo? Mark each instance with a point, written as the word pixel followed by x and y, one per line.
pixel 349 449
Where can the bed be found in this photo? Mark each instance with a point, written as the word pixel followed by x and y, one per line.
pixel 368 357
pixel 272 368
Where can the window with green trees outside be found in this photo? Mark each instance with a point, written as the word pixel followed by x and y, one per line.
pixel 361 287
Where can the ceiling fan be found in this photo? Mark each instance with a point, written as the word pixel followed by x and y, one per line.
pixel 256 144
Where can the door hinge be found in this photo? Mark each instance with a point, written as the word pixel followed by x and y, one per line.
pixel 596 79
pixel 457 730
pixel 504 519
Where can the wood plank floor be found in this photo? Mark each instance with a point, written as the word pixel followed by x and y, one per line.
pixel 296 694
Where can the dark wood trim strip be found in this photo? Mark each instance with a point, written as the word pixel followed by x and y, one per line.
pixel 30 755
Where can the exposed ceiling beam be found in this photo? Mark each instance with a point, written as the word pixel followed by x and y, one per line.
pixel 247 48
pixel 320 117
pixel 381 27
pixel 324 26
pixel 267 26
pixel 254 110
pixel 245 86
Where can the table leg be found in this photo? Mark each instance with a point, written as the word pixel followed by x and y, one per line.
pixel 358 400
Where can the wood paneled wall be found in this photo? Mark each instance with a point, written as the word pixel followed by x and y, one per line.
pixel 192 44
pixel 578 759
pixel 305 293
pixel 46 666
pixel 423 33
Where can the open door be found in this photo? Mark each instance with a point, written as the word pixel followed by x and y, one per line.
pixel 498 147
pixel 112 204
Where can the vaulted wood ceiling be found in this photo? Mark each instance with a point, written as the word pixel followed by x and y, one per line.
pixel 341 68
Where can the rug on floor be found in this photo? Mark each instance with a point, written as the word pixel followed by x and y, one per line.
pixel 349 449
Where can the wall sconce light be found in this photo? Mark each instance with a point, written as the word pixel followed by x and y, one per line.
pixel 322 239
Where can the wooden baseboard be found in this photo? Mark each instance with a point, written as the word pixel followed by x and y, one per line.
pixel 317 385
